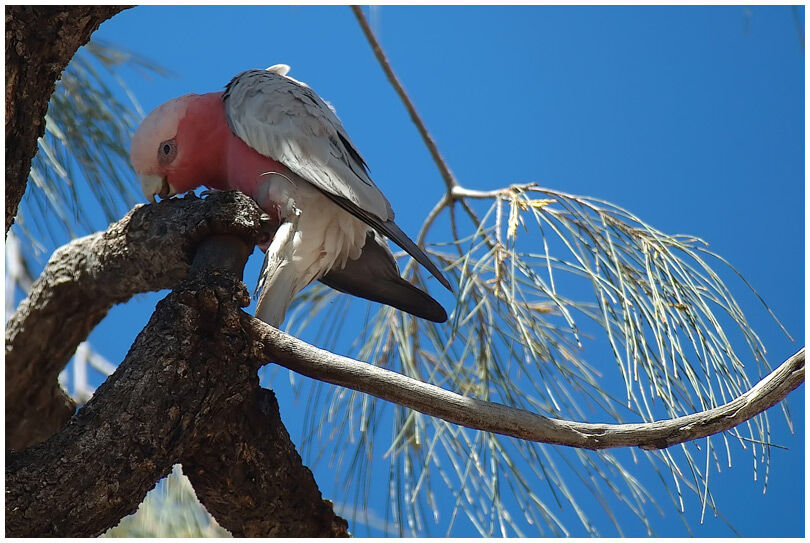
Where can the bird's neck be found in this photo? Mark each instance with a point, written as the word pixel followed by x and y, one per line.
pixel 205 130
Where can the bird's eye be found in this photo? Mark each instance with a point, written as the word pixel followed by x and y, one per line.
pixel 167 150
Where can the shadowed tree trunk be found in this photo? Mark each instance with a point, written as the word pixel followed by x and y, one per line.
pixel 187 392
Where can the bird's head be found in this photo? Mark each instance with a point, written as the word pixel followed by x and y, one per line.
pixel 172 151
pixel 154 152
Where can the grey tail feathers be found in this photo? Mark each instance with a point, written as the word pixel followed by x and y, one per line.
pixel 390 229
pixel 375 276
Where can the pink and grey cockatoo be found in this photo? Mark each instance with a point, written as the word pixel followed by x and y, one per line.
pixel 274 139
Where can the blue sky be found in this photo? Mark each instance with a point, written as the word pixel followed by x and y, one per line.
pixel 690 117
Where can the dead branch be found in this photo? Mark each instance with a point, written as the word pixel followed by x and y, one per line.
pixel 305 359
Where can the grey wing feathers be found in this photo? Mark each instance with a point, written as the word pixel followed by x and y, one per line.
pixel 284 119
pixel 375 276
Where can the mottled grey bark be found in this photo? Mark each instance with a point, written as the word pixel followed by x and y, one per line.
pixel 40 41
pixel 186 392
pixel 149 249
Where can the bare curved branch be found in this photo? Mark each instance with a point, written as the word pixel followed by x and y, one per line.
pixel 319 364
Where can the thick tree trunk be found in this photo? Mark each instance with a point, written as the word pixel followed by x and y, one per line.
pixel 148 250
pixel 249 476
pixel 40 41
pixel 187 391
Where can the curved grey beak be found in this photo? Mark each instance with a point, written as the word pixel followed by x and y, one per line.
pixel 152 185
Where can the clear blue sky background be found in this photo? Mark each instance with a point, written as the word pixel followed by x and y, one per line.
pixel 690 117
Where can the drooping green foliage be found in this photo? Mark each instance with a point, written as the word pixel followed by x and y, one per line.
pixel 551 286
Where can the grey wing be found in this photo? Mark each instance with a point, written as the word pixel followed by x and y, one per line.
pixel 284 119
pixel 287 121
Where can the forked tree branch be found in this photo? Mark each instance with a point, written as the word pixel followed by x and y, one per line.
pixel 187 392
pixel 149 249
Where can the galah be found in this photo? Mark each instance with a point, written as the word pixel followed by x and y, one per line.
pixel 276 140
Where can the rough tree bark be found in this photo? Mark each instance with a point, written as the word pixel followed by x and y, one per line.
pixel 148 250
pixel 40 40
pixel 186 392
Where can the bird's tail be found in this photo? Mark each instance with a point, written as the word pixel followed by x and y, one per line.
pixel 375 276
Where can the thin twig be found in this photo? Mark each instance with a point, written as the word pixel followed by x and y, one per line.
pixel 447 175
pixel 460 193
pixel 437 209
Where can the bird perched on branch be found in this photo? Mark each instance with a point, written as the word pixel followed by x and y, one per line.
pixel 274 139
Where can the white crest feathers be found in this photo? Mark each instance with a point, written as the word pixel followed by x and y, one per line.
pixel 280 69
